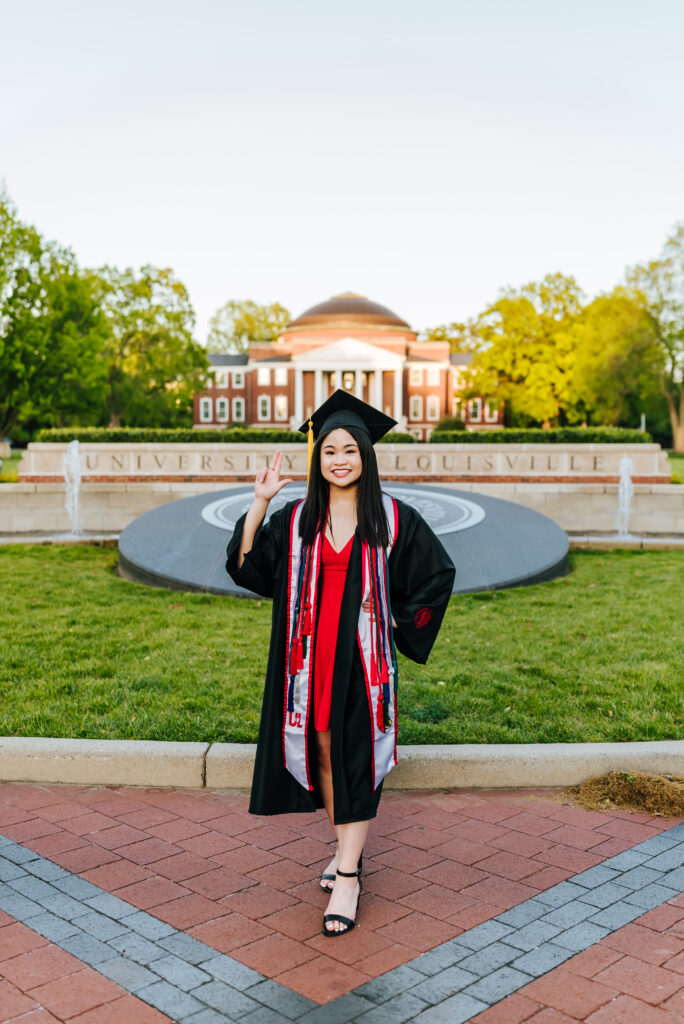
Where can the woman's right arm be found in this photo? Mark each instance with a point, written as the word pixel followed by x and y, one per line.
pixel 266 485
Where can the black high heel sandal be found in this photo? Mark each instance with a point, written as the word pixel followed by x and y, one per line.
pixel 347 921
pixel 331 878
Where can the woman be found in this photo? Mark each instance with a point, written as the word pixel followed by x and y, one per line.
pixel 353 574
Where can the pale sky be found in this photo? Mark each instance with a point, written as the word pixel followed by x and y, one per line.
pixel 425 154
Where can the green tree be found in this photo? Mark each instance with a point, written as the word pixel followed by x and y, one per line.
pixel 462 337
pixel 661 283
pixel 617 360
pixel 526 349
pixel 236 324
pixel 154 366
pixel 51 330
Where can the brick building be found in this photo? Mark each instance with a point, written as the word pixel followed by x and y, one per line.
pixel 346 342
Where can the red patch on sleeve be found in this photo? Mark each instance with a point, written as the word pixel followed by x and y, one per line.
pixel 422 617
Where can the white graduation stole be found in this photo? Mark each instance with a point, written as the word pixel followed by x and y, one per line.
pixel 376 645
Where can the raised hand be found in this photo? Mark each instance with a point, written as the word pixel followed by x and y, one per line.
pixel 268 482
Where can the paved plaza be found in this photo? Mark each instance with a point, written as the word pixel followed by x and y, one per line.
pixel 150 905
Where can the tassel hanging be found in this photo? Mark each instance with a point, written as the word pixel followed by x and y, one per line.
pixel 309 450
pixel 381 714
pixel 306 624
pixel 290 694
pixel 384 676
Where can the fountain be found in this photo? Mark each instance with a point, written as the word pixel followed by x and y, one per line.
pixel 625 493
pixel 72 480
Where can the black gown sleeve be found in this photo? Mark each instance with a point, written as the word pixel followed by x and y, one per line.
pixel 262 564
pixel 421 578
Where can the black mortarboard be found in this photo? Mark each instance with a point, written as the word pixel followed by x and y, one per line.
pixel 345 410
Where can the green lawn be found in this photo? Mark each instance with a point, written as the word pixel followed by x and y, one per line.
pixel 9 467
pixel 676 464
pixel 597 655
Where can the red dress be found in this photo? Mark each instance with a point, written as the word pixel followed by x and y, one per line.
pixel 333 576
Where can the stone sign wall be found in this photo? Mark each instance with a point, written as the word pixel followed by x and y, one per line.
pixel 449 463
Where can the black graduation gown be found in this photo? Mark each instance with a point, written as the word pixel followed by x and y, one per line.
pixel 421 578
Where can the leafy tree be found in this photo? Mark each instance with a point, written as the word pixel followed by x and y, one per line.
pixel 527 349
pixel 154 366
pixel 235 325
pixel 661 283
pixel 617 360
pixel 51 330
pixel 462 337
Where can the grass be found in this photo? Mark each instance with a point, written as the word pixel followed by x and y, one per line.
pixel 597 655
pixel 676 465
pixel 9 468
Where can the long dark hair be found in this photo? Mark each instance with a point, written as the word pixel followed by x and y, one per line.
pixel 370 512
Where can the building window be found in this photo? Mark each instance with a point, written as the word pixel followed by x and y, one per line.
pixel 280 407
pixel 263 376
pixel 433 407
pixel 416 376
pixel 433 376
pixel 222 410
pixel 264 409
pixel 491 411
pixel 416 407
pixel 221 377
pixel 238 378
pixel 280 376
pixel 206 410
pixel 238 410
pixel 475 410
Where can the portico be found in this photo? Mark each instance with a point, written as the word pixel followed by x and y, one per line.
pixel 352 365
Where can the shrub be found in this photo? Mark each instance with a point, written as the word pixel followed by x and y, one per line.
pixel 562 435
pixel 140 435
pixel 451 423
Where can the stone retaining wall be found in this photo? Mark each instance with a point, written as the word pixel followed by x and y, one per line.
pixel 657 509
pixel 436 463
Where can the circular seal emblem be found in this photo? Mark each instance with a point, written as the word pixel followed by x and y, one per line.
pixel 422 617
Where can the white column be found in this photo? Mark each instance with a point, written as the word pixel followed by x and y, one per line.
pixel 338 379
pixel 377 401
pixel 299 395
pixel 358 384
pixel 318 388
pixel 398 410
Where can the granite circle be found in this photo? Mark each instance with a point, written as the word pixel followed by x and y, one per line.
pixel 493 543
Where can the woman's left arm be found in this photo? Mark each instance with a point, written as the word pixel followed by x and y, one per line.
pixel 421 580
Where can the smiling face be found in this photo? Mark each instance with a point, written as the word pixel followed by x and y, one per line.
pixel 341 463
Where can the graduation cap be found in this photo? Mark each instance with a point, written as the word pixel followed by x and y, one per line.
pixel 345 410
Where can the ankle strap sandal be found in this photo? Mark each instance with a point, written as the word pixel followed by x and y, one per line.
pixel 346 921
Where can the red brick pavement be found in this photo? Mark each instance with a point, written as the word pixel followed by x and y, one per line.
pixel 435 865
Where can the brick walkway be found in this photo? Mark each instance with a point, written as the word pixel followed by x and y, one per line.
pixel 442 872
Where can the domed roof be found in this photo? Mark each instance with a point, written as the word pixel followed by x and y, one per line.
pixel 351 309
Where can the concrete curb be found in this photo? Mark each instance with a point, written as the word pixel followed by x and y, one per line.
pixel 229 765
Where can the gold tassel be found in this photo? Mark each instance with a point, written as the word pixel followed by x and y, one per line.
pixel 309 450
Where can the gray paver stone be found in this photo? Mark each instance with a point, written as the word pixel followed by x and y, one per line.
pixel 227 1000
pixel 387 985
pixel 231 971
pixel 533 934
pixel 616 916
pixel 652 896
pixel 77 887
pixel 572 913
pixel 137 948
pixel 498 984
pixel 19 907
pixel 639 877
pixel 562 893
pixel 437 959
pixel 581 936
pixel 204 1017
pixel 87 948
pixel 673 879
pixel 63 906
pixel 147 926
pixel 100 926
pixel 291 1004
pixel 53 928
pixel 483 934
pixel 456 1010
pixel 188 948
pixel 525 912
pixel 595 876
pixel 542 959
pixel 110 905
pixel 264 1015
pixel 128 974
pixel 669 860
pixel 46 869
pixel 8 870
pixel 657 844
pixel 400 1008
pixel 490 958
pixel 603 895
pixel 625 860
pixel 34 888
pixel 441 986
pixel 338 1011
pixel 170 1000
pixel 179 973
pixel 18 854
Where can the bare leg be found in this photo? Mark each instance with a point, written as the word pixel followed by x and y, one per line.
pixel 326 786
pixel 351 839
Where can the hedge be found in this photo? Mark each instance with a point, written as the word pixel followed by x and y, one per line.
pixel 562 435
pixel 140 435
